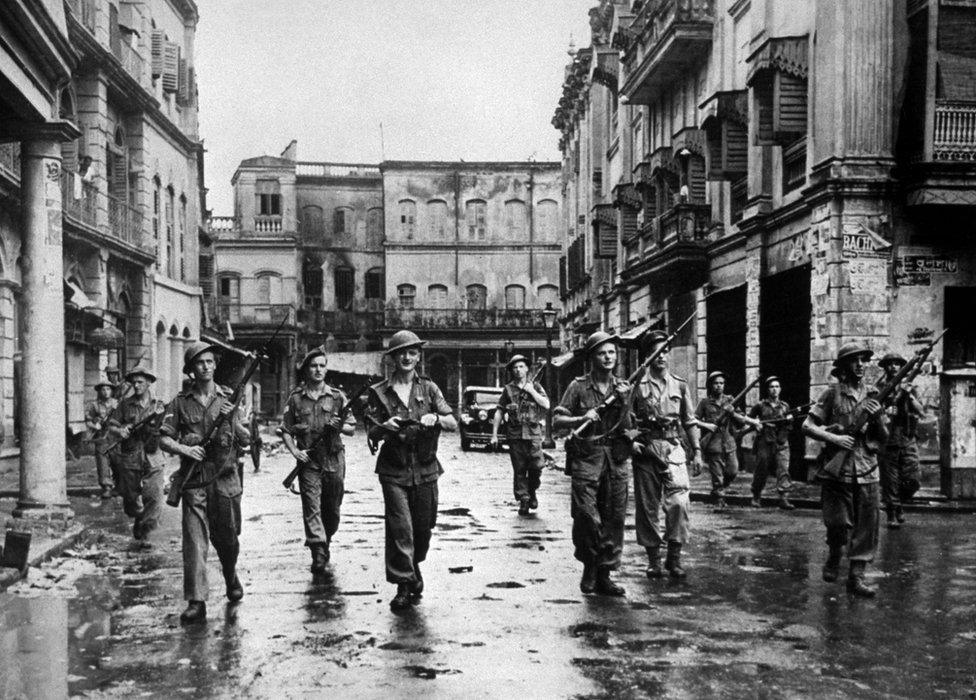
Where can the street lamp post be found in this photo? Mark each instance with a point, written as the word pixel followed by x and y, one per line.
pixel 549 316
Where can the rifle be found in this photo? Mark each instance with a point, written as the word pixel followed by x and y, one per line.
pixel 289 481
pixel 183 476
pixel 635 377
pixel 834 456
pixel 158 409
pixel 792 415
pixel 729 410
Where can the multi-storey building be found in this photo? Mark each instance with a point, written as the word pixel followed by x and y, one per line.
pixel 799 174
pixel 131 196
pixel 466 254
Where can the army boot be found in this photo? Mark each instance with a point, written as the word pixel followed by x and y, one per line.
pixel 654 569
pixel 235 591
pixel 417 587
pixel 604 584
pixel 784 503
pixel 196 611
pixel 831 568
pixel 893 523
pixel 523 506
pixel 673 561
pixel 856 584
pixel 899 514
pixel 319 559
pixel 401 601
pixel 588 581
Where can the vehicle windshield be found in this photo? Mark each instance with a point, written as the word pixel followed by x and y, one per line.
pixel 483 397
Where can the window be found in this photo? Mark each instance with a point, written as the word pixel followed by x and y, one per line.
pixel 637 139
pixel 230 298
pixel 437 216
pixel 156 205
pixel 268 194
pixel 546 218
pixel 181 250
pixel 342 221
pixel 515 219
pixel 312 282
pixel 514 296
pixel 313 224
pixel 374 283
pixel 408 218
pixel 374 227
pixel 345 288
pixel 477 295
pixel 437 296
pixel 406 293
pixel 269 288
pixel 170 233
pixel 475 215
pixel 547 294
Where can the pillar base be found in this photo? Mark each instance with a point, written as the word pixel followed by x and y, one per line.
pixel 41 518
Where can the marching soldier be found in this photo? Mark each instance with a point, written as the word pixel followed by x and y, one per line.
pixel 525 402
pixel 849 496
pixel 95 420
pixel 666 429
pixel 715 414
pixel 899 459
pixel 313 424
pixel 135 423
pixel 600 466
pixel 772 446
pixel 121 388
pixel 211 498
pixel 407 413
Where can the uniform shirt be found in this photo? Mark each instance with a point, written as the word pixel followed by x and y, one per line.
pixel 581 395
pixel 668 400
pixel 306 418
pixel 711 411
pixel 901 411
pixel 767 409
pixel 523 422
pixel 99 412
pixel 836 406
pixel 187 421
pixel 399 462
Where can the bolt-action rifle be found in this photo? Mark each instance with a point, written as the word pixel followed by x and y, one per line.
pixel 158 409
pixel 184 474
pixel 635 377
pixel 794 413
pixel 834 456
pixel 726 416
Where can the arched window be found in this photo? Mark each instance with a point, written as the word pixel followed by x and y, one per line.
pixel 229 297
pixel 374 227
pixel 345 288
pixel 475 215
pixel 170 210
pixel 157 209
pixel 515 296
pixel 312 282
pixel 117 167
pixel 548 294
pixel 477 296
pixel 437 296
pixel 268 288
pixel 437 219
pixel 546 220
pixel 408 218
pixel 406 294
pixel 515 219
pixel 181 240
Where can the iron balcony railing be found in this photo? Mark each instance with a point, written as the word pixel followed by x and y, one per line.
pixel 125 221
pixel 340 321
pixel 954 138
pixel 255 314
pixel 465 319
pixel 685 223
pixel 78 198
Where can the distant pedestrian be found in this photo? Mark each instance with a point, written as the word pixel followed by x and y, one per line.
pixel 849 496
pixel 772 446
pixel 900 472
pixel 96 418
pixel 407 412
pixel 312 429
pixel 211 499
pixel 523 404
pixel 135 424
pixel 600 464
pixel 715 414
pixel 667 440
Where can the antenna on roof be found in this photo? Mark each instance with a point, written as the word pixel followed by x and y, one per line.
pixel 382 144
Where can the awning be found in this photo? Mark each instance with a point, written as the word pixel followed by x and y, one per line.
pixel 361 363
pixel 221 343
pixel 640 329
pixel 564 359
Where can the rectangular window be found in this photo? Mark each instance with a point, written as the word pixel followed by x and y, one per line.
pixel 345 288
pixel 312 283
pixel 476 215
pixel 374 284
pixel 170 235
pixel 406 293
pixel 155 222
pixel 339 222
pixel 182 247
pixel 269 204
pixel 514 297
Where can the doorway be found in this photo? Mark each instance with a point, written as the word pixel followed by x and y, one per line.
pixel 725 336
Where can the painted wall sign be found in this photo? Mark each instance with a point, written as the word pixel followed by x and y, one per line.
pixel 868 276
pixel 915 266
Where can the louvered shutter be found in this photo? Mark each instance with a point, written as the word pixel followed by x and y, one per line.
pixel 114 34
pixel 562 276
pixel 120 177
pixel 191 85
pixel 790 102
pixel 763 99
pixel 696 179
pixel 628 218
pixel 157 44
pixel 183 89
pixel 606 240
pixel 736 149
pixel 171 66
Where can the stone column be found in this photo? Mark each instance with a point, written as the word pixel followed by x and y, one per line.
pixel 43 482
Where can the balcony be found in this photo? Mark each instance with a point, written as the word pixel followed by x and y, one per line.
pixel 466 319
pixel 267 223
pixel 125 221
pixel 256 314
pixel 10 161
pixel 133 64
pixel 673 37
pixel 222 224
pixel 955 132
pixel 356 170
pixel 945 172
pixel 78 199
pixel 674 249
pixel 341 322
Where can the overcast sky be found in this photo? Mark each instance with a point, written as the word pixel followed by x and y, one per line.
pixel 448 79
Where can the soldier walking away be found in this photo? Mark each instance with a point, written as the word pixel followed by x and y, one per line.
pixel 848 471
pixel 666 432
pixel 900 471
pixel 772 446
pixel 523 402
pixel 135 424
pixel 96 418
pixel 715 414
pixel 312 427
pixel 407 412
pixel 211 497
pixel 600 464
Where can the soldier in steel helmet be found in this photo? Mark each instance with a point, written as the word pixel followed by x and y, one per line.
pixel 849 497
pixel 135 423
pixel 900 471
pixel 601 464
pixel 525 403
pixel 667 440
pixel 314 408
pixel 211 499
pixel 407 412
pixel 96 418
pixel 772 446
